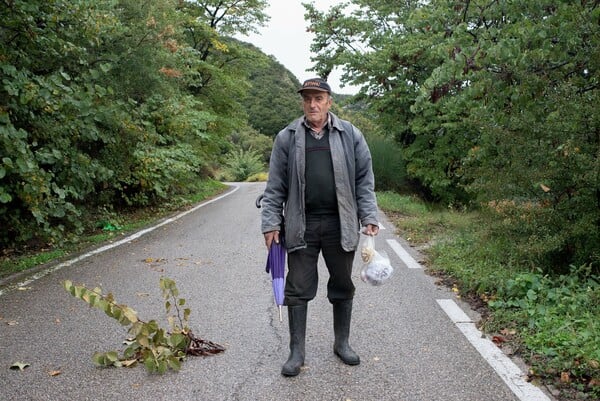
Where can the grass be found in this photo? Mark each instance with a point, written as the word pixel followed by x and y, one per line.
pixel 15 265
pixel 552 322
pixel 107 225
pixel 418 222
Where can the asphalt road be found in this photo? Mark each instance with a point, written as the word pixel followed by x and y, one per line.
pixel 410 349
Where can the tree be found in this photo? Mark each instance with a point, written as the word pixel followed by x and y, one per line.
pixel 272 101
pixel 383 52
pixel 538 78
pixel 47 124
pixel 112 104
pixel 492 102
pixel 217 66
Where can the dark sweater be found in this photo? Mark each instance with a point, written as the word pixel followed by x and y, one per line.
pixel 320 194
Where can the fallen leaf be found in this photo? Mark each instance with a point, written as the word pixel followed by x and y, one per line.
pixel 129 363
pixel 53 373
pixel 544 188
pixel 12 323
pixel 57 321
pixel 154 260
pixel 565 377
pixel 19 366
pixel 508 332
pixel 498 339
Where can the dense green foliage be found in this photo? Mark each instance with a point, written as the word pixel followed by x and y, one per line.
pixel 561 319
pixel 242 164
pixel 272 102
pixel 494 104
pixel 113 103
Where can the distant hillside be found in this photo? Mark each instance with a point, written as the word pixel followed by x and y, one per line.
pixel 272 102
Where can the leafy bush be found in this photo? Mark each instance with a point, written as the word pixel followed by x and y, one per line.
pixel 103 105
pixel 251 140
pixel 538 233
pixel 388 165
pixel 48 138
pixel 562 322
pixel 241 164
pixel 259 177
pixel 162 172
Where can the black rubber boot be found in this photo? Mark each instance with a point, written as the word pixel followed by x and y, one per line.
pixel 297 321
pixel 342 314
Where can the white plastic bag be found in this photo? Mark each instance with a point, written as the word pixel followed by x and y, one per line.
pixel 376 269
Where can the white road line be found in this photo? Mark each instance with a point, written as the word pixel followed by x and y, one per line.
pixel 130 238
pixel 506 369
pixel 408 260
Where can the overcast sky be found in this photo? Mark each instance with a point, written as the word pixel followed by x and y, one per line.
pixel 286 39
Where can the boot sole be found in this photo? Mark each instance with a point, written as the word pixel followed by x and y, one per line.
pixel 290 373
pixel 347 362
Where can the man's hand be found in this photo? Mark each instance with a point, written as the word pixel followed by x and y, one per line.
pixel 270 237
pixel 371 229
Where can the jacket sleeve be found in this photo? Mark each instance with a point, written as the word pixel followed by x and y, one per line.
pixel 366 200
pixel 276 190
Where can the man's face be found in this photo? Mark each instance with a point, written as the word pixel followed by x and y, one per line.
pixel 316 105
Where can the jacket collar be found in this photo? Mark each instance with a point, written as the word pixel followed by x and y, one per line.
pixel 336 122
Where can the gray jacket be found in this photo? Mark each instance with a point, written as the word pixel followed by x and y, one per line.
pixel 353 175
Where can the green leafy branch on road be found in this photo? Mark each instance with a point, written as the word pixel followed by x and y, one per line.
pixel 156 348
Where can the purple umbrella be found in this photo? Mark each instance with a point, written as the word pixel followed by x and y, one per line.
pixel 276 266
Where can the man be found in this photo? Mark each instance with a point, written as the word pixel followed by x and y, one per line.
pixel 321 180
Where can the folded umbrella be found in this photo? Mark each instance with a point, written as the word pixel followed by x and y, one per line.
pixel 276 266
